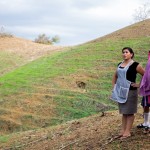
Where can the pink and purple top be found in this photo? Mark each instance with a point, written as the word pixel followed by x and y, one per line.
pixel 145 83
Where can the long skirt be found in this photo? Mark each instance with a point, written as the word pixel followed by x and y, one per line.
pixel 130 106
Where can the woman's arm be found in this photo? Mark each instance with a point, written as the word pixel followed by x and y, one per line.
pixel 141 71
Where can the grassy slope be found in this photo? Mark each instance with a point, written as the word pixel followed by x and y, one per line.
pixel 44 92
pixel 15 52
pixel 9 61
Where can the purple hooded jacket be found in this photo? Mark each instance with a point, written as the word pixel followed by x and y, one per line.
pixel 145 83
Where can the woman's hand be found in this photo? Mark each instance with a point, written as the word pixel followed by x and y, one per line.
pixel 135 85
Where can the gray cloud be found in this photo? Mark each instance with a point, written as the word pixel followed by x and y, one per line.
pixel 75 21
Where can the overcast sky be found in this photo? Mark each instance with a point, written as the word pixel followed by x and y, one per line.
pixel 74 21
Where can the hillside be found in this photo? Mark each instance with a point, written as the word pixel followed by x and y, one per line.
pixel 42 102
pixel 15 52
pixel 137 30
pixel 92 133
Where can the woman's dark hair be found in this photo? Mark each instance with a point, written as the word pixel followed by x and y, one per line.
pixel 130 50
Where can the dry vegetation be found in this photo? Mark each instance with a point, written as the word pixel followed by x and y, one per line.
pixel 140 29
pixel 26 49
pixel 16 52
pixel 92 133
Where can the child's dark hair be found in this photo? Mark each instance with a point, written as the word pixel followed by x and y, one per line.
pixel 130 50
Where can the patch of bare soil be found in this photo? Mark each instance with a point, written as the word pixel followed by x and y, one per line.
pixel 93 133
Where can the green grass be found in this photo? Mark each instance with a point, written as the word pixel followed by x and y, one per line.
pixel 94 61
pixel 4 138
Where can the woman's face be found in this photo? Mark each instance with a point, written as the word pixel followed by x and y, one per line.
pixel 126 54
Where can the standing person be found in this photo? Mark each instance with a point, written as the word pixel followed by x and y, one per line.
pixel 145 92
pixel 125 90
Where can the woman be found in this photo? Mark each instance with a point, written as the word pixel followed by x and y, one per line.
pixel 125 90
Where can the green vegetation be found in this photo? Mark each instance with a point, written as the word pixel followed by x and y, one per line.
pixel 44 92
pixel 4 138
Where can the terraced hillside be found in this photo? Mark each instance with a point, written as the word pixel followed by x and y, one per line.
pixel 65 86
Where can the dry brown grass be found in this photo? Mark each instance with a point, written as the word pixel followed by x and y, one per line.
pixel 25 48
pixel 91 133
pixel 19 52
pixel 140 29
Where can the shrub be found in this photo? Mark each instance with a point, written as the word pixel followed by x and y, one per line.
pixel 44 39
pixel 55 39
pixel 3 33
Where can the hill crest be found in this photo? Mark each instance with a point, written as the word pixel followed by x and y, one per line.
pixel 137 30
pixel 26 48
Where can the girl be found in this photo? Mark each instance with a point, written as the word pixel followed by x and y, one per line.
pixel 145 92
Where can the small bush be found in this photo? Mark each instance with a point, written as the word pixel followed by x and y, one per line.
pixel 55 39
pixel 44 39
pixel 3 33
